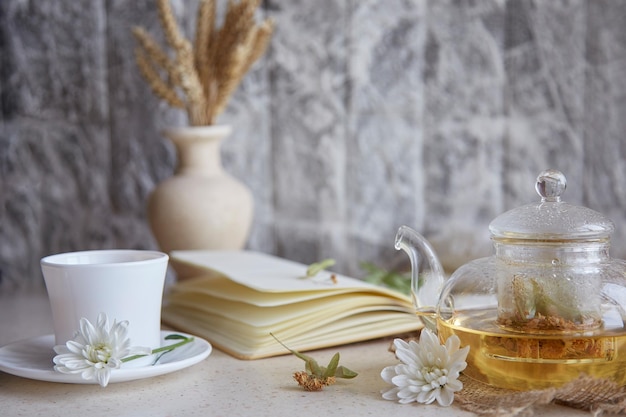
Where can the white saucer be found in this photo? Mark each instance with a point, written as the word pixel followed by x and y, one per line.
pixel 32 358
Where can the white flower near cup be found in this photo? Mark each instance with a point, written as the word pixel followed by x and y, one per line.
pixel 97 350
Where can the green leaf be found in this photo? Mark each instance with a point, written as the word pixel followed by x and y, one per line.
pixel 318 267
pixel 332 366
pixel 312 367
pixel 175 337
pixel 389 279
pixel 343 372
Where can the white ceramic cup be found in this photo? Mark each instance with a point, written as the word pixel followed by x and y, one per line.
pixel 123 284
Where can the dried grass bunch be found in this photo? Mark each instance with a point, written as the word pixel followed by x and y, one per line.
pixel 202 77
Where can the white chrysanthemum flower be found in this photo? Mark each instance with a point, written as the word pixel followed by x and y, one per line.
pixel 429 371
pixel 95 351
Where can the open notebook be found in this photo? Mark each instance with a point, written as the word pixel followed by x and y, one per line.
pixel 235 300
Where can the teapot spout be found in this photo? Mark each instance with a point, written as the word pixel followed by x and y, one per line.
pixel 427 276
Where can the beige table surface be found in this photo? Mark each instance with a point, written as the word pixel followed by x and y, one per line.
pixel 218 386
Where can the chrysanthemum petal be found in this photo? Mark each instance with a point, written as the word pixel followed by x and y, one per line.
pixel 406 400
pixel 455 369
pixel 454 385
pixel 88 332
pixel 88 373
pixel 400 380
pixel 406 352
pixel 453 343
pixel 391 394
pixel 388 373
pixel 460 355
pixel 427 397
pixel 59 349
pixel 429 339
pixel 102 376
pixel 400 344
pixel 445 397
pixel 96 350
pixel 74 347
pixel 102 321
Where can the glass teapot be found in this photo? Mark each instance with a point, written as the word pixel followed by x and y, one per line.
pixel 547 307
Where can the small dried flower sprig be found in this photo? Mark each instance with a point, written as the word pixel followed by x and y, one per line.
pixel 201 77
pixel 316 377
pixel 98 350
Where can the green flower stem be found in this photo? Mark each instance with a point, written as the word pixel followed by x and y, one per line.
pixel 164 349
pixel 174 346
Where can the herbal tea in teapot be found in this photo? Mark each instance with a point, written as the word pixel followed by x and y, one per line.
pixel 548 306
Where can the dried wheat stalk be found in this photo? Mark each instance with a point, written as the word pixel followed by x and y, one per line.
pixel 202 77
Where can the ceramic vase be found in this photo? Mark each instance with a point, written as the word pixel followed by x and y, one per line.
pixel 200 206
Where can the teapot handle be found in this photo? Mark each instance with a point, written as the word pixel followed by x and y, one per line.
pixel 427 276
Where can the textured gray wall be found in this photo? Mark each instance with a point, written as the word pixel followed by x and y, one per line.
pixel 363 116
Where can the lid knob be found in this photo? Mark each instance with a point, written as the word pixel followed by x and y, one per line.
pixel 550 185
pixel 551 219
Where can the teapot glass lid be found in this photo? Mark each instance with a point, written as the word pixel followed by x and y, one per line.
pixel 551 218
